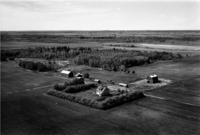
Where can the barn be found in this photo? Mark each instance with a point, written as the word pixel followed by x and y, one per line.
pixel 67 73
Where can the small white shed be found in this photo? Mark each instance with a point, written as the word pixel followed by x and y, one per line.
pixel 123 85
pixel 68 73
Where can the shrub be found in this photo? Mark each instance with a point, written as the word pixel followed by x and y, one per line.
pixel 133 71
pixel 86 75
pixel 101 98
pixel 38 65
pixel 59 86
pixel 120 99
pixel 78 88
pixel 76 81
pixel 62 86
pixel 100 102
pixel 34 65
pixel 42 67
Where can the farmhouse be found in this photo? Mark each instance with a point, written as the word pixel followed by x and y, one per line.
pixel 102 91
pixel 67 73
pixel 152 78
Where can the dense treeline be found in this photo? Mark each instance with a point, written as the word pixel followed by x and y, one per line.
pixel 110 59
pixel 40 66
pixel 44 52
pixel 118 59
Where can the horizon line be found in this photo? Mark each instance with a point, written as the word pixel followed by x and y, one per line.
pixel 94 30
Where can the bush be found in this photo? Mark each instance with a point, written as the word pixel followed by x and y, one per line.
pixel 34 65
pixel 101 98
pixel 120 99
pixel 86 75
pixel 38 65
pixel 59 86
pixel 62 86
pixel 78 88
pixel 42 67
pixel 100 102
pixel 75 81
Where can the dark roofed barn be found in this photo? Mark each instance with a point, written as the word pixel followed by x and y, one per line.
pixel 152 79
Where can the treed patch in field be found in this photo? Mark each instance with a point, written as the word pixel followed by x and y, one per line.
pixel 113 60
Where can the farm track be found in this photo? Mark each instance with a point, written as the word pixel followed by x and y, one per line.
pixel 32 89
pixel 171 107
pixel 162 98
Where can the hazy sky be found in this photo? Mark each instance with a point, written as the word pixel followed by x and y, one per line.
pixel 99 15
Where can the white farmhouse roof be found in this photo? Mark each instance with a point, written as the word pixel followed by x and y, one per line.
pixel 66 72
pixel 154 75
pixel 96 80
pixel 102 91
pixel 79 75
pixel 123 84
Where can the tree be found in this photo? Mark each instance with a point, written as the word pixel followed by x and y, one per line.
pixel 86 75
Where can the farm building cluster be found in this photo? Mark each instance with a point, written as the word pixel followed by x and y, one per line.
pixel 110 88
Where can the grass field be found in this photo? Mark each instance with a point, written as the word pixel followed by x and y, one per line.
pixel 173 109
pixel 26 109
pixel 13 40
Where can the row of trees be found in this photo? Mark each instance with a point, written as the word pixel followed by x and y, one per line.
pixel 38 65
pixel 44 52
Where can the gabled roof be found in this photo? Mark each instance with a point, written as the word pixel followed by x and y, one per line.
pixel 153 75
pixel 102 90
pixel 66 72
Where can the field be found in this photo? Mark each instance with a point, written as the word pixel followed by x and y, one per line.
pixel 27 110
pixel 10 40
pixel 171 109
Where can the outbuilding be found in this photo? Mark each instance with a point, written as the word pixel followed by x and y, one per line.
pixel 123 85
pixel 152 78
pixel 67 73
pixel 97 80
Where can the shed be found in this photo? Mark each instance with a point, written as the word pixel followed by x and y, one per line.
pixel 97 80
pixel 123 85
pixel 68 73
pixel 152 78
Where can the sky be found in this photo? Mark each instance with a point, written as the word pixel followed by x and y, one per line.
pixel 99 15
